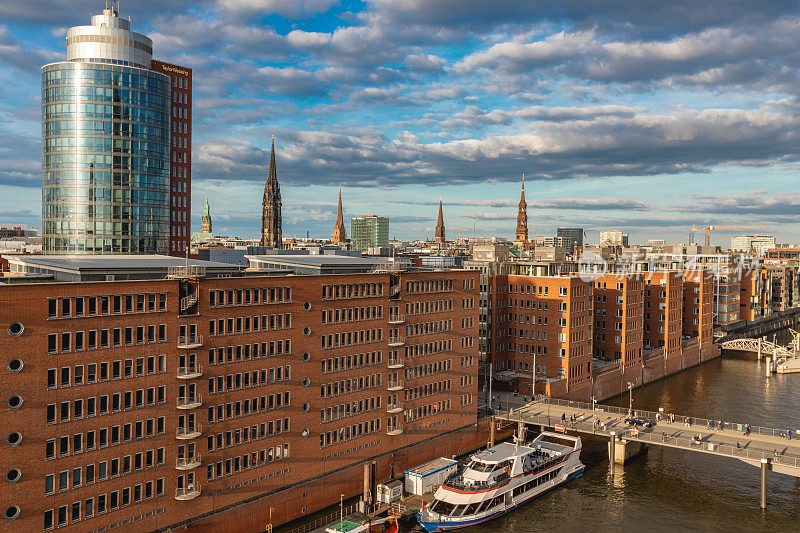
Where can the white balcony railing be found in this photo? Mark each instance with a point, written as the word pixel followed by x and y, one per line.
pixel 188 432
pixel 190 341
pixel 396 362
pixel 394 408
pixel 396 340
pixel 190 372
pixel 187 463
pixel 394 384
pixel 187 493
pixel 189 402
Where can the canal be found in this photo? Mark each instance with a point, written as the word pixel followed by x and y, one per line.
pixel 670 489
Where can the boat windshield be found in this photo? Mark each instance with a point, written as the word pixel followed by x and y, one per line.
pixel 481 467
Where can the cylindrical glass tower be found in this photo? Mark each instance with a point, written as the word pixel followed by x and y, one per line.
pixel 105 144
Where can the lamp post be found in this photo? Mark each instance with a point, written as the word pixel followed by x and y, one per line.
pixel 533 377
pixel 630 404
pixel 594 417
pixel 341 512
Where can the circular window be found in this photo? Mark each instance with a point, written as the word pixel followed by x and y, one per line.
pixel 13 475
pixel 15 402
pixel 307 306
pixel 12 512
pixel 306 382
pixel 16 328
pixel 306 357
pixel 305 433
pixel 306 407
pixel 306 331
pixel 14 438
pixel 15 365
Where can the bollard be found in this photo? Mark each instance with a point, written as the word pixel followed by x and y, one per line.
pixel 612 448
pixel 763 483
pixel 769 366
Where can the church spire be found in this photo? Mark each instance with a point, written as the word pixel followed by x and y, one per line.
pixel 522 216
pixel 271 206
pixel 339 234
pixel 439 236
pixel 205 222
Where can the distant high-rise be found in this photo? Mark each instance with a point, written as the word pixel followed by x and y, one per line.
pixel 205 223
pixel 180 155
pixel 440 226
pixel 339 233
pixel 271 207
pixel 613 238
pixel 522 216
pixel 572 237
pixel 106 145
pixel 369 231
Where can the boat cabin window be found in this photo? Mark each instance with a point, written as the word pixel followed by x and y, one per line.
pixel 459 509
pixel 484 506
pixel 472 508
pixel 441 507
pixel 481 467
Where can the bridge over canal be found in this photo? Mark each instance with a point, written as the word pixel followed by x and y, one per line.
pixel 767 448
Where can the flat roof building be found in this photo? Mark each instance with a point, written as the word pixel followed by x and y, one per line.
pixel 369 231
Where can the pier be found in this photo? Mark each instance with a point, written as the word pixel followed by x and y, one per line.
pixel 765 448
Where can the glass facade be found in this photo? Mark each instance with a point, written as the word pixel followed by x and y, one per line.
pixel 105 159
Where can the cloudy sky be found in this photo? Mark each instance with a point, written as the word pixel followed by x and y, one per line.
pixel 642 115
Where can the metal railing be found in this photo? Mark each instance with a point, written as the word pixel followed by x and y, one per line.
pixel 456 481
pixel 396 318
pixel 394 408
pixel 190 341
pixel 187 463
pixel 396 362
pixel 186 271
pixel 397 429
pixel 189 402
pixel 188 372
pixel 325 520
pixel 396 340
pixel 394 384
pixel 187 493
pixel 188 301
pixel 189 432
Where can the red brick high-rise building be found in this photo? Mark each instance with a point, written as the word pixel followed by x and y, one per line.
pixel 180 202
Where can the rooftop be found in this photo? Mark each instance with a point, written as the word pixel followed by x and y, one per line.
pixel 114 262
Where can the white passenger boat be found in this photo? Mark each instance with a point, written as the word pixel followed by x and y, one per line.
pixel 501 479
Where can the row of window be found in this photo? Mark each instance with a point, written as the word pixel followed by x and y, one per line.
pixel 248 406
pixel 233 297
pixel 246 352
pixel 352 314
pixel 425 308
pixel 345 386
pixel 428 369
pixel 429 348
pixel 101 471
pixel 330 438
pixel 349 362
pixel 99 372
pixel 106 305
pixel 429 285
pixel 345 410
pixel 429 389
pixel 112 501
pixel 247 324
pixel 102 437
pixel 129 336
pixel 351 338
pixel 235 465
pixel 245 380
pixel 352 290
pixel 429 328
pixel 107 403
pixel 235 437
pixel 425 411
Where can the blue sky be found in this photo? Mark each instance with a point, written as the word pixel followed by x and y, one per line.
pixel 646 116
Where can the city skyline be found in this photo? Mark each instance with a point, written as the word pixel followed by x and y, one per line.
pixel 643 127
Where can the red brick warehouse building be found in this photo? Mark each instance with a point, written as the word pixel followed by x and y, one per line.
pixel 145 405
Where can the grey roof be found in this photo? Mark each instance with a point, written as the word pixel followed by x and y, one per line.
pixel 115 262
pixel 319 260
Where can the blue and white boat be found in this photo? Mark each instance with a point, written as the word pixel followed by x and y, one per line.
pixel 502 478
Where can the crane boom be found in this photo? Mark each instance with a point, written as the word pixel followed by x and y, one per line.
pixel 709 229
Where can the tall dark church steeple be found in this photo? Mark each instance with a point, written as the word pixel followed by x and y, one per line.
pixel 439 236
pixel 339 233
pixel 271 207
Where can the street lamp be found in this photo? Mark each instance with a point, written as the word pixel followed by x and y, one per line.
pixel 594 417
pixel 533 377
pixel 341 512
pixel 630 405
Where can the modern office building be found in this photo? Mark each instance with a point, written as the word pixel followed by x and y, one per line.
pixel 613 238
pixel 757 244
pixel 226 403
pixel 180 156
pixel 106 145
pixel 369 231
pixel 572 237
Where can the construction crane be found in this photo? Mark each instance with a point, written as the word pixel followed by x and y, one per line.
pixel 709 229
pixel 459 229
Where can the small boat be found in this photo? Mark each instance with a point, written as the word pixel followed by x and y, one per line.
pixel 379 525
pixel 790 366
pixel 502 478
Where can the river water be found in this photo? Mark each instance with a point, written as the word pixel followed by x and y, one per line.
pixel 668 490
